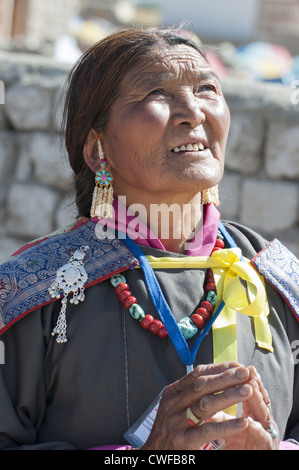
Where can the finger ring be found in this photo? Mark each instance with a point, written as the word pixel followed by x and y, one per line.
pixel 272 430
pixel 191 419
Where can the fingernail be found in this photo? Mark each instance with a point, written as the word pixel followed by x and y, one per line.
pixel 244 390
pixel 241 373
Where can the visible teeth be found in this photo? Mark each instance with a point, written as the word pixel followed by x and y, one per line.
pixel 190 147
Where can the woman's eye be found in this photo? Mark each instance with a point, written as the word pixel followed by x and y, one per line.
pixel 208 87
pixel 157 91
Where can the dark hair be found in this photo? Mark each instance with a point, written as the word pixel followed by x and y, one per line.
pixel 92 86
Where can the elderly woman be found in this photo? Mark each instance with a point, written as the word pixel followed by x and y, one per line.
pixel 173 329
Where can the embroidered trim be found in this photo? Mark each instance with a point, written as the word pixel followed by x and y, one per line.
pixel 25 279
pixel 281 268
pixel 69 228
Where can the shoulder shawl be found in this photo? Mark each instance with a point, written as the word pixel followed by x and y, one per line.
pixel 27 276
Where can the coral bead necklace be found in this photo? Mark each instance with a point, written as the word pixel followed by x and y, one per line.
pixel 188 325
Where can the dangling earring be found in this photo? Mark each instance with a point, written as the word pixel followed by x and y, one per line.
pixel 102 199
pixel 210 196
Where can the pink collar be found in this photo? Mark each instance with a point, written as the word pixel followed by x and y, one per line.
pixel 201 245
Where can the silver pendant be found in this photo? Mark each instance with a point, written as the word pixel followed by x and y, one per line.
pixel 70 278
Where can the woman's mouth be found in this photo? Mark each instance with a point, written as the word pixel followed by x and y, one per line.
pixel 198 147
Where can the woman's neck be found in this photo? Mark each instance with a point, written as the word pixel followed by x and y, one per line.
pixel 174 220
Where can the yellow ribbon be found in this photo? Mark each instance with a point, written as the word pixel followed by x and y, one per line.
pixel 243 291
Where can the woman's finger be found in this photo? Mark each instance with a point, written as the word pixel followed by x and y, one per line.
pixel 205 380
pixel 262 438
pixel 256 376
pixel 201 370
pixel 258 406
pixel 214 431
pixel 210 404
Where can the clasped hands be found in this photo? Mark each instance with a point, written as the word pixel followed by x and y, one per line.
pixel 206 392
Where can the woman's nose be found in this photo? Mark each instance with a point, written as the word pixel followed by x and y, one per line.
pixel 188 111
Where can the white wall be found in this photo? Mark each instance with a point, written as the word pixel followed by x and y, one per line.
pixel 215 19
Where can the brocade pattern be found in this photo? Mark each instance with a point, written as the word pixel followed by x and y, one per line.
pixel 25 279
pixel 281 268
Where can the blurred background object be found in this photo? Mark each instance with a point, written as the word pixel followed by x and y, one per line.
pixel 251 39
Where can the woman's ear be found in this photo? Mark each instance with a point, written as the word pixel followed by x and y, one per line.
pixel 90 151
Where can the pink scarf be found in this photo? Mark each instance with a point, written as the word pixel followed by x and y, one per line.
pixel 201 245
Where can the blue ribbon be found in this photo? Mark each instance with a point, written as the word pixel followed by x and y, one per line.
pixel 162 307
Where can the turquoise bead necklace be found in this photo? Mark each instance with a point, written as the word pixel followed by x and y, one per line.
pixel 188 326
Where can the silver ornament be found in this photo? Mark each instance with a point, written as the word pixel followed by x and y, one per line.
pixel 70 278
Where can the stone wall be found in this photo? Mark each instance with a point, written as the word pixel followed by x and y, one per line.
pixel 259 188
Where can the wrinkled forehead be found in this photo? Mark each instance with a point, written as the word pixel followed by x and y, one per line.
pixel 166 63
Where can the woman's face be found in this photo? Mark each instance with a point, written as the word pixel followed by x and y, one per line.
pixel 169 100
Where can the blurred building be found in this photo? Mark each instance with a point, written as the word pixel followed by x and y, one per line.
pixel 238 20
pixel 35 24
pixel 279 21
pixel 121 12
pixel 31 23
